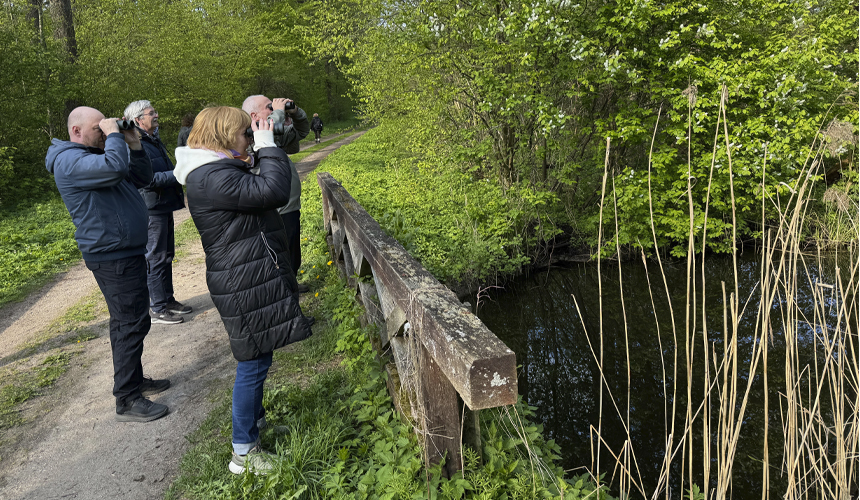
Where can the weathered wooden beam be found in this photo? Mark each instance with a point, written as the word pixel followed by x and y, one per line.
pixel 360 264
pixel 372 312
pixel 479 365
pixel 441 418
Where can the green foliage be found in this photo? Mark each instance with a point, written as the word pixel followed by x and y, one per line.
pixel 527 93
pixel 238 48
pixel 36 240
pixel 459 228
pixel 695 493
pixel 337 435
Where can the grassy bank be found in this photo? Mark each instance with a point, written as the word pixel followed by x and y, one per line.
pixel 36 241
pixel 334 428
pixel 460 228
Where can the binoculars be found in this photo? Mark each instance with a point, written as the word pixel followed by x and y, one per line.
pixel 124 124
pixel 277 129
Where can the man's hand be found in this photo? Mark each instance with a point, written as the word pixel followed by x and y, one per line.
pixel 109 126
pixel 132 138
pixel 281 103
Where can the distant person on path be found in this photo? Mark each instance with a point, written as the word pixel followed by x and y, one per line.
pixel 247 265
pixel 98 173
pixel 185 129
pixel 317 126
pixel 163 196
pixel 296 128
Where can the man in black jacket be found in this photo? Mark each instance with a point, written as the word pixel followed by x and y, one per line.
pixel 163 196
pixel 98 176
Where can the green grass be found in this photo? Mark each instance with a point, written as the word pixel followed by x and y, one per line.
pixel 307 152
pixel 186 233
pixel 40 362
pixel 339 434
pixel 460 228
pixel 36 242
pixel 20 384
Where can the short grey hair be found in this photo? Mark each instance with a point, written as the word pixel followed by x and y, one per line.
pixel 250 105
pixel 135 109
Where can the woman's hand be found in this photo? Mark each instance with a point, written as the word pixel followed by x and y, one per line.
pixel 262 125
pixel 264 136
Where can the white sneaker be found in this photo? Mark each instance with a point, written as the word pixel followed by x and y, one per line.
pixel 257 461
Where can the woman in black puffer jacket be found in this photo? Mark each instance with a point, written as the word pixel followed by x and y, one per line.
pixel 247 262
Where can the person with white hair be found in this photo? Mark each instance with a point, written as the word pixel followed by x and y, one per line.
pixel 163 196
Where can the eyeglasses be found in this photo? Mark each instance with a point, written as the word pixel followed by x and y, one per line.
pixel 269 107
pixel 151 113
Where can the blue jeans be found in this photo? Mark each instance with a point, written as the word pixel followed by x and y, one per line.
pixel 123 283
pixel 159 261
pixel 248 402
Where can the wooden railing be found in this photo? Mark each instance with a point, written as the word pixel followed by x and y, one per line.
pixel 439 355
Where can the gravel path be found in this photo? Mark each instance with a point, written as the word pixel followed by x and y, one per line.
pixel 72 448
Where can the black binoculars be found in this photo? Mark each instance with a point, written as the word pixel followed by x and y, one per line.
pixel 124 124
pixel 277 129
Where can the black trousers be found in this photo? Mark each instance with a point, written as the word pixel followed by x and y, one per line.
pixel 317 134
pixel 292 221
pixel 123 283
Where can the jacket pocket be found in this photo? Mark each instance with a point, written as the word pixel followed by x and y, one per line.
pixel 272 254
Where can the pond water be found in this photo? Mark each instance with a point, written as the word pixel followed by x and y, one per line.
pixel 538 319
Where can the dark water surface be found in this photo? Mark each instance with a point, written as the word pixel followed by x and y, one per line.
pixel 538 319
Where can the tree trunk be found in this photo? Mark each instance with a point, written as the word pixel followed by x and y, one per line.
pixel 329 94
pixel 34 15
pixel 64 27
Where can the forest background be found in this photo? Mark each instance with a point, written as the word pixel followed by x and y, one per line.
pixel 503 108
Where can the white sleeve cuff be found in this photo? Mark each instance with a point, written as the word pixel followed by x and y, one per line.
pixel 263 139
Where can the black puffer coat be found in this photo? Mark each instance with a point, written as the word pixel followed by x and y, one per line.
pixel 247 263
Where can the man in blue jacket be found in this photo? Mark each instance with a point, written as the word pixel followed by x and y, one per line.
pixel 98 176
pixel 163 196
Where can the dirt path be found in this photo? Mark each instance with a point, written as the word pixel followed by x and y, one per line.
pixel 72 448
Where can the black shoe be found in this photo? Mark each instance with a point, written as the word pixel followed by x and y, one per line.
pixel 149 386
pixel 140 410
pixel 303 288
pixel 176 307
pixel 164 317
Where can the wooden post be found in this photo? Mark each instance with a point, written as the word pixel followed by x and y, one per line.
pixel 441 418
pixel 447 364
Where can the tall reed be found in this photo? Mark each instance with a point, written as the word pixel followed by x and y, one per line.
pixel 818 402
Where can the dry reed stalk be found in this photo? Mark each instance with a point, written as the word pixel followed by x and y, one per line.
pixel 820 448
pixel 600 293
pixel 663 274
pixel 629 454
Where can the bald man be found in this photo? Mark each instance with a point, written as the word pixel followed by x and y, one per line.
pixel 296 128
pixel 98 172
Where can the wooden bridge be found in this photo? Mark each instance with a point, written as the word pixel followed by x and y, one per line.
pixel 443 364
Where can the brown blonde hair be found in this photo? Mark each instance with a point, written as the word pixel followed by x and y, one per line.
pixel 215 129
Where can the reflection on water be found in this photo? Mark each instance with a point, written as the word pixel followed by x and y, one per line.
pixel 538 319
